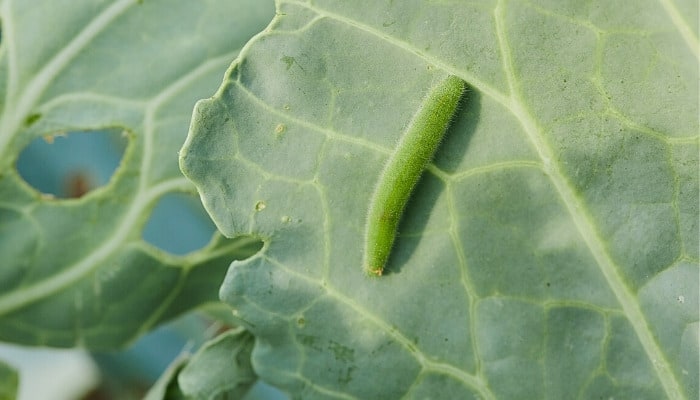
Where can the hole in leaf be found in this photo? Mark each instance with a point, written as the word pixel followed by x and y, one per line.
pixel 179 224
pixel 71 165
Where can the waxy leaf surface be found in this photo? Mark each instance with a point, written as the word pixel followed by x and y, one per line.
pixel 550 252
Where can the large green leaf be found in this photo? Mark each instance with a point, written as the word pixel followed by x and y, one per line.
pixel 78 271
pixel 550 252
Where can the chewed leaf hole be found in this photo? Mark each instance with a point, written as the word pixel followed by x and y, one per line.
pixel 71 165
pixel 178 224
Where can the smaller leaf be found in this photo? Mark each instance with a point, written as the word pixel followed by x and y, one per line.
pixel 221 368
pixel 166 387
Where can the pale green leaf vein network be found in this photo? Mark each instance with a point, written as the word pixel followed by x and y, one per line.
pixel 143 199
pixel 27 295
pixel 14 112
pixel 328 392
pixel 473 80
pixel 582 220
pixel 454 229
pixel 303 123
pixel 576 209
pixel 475 381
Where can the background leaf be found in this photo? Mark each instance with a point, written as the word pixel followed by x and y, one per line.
pixel 77 271
pixel 221 369
pixel 550 252
pixel 8 382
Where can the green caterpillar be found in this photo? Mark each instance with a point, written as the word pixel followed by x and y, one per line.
pixel 404 168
